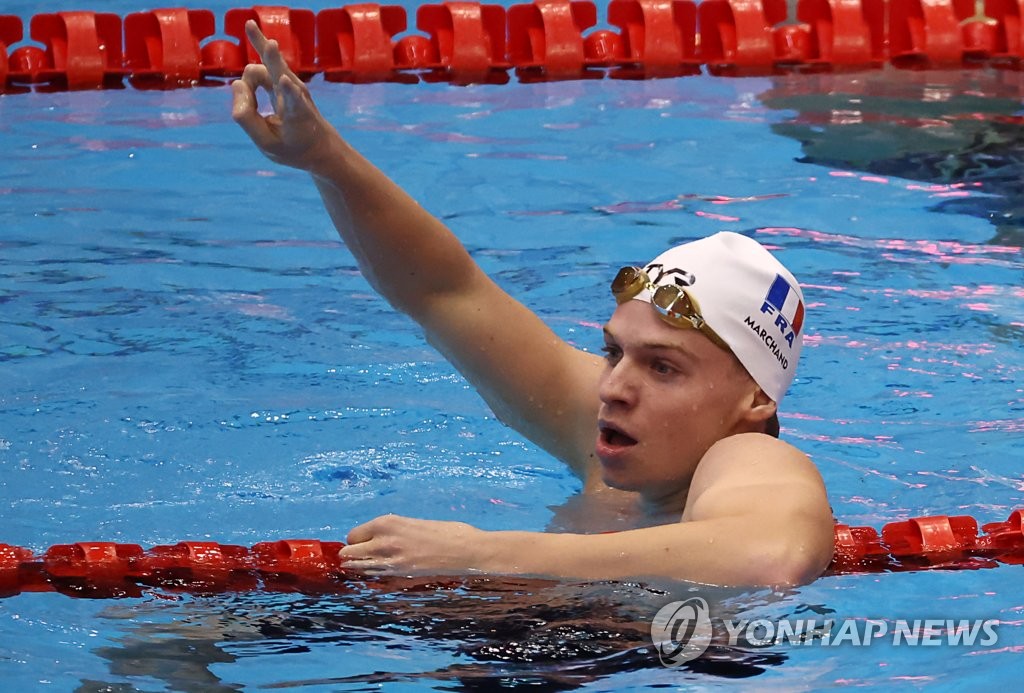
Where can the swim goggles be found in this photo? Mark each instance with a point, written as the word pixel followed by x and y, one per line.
pixel 674 304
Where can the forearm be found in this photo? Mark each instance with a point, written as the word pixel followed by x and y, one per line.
pixel 408 255
pixel 405 252
pixel 722 552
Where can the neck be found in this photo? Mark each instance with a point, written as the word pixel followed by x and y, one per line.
pixel 663 509
pixel 646 509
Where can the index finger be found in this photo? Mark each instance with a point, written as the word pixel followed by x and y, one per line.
pixel 360 534
pixel 368 530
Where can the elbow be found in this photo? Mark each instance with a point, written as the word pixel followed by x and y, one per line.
pixel 792 562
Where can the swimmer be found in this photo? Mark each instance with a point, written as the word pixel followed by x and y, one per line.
pixel 675 427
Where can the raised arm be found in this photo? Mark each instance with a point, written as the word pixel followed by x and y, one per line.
pixel 532 379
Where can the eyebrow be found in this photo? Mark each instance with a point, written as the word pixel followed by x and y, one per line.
pixel 655 346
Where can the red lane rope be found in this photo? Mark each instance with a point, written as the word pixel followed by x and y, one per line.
pixel 939 541
pixel 106 569
pixel 464 42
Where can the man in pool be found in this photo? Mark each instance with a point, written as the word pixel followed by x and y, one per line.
pixel 673 432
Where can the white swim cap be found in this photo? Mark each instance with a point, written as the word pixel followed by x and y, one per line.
pixel 746 296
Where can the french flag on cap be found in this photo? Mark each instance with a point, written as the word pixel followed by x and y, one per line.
pixel 789 309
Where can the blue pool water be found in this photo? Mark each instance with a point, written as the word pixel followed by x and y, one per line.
pixel 187 352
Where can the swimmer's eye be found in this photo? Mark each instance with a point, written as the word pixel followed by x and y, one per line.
pixel 662 368
pixel 612 354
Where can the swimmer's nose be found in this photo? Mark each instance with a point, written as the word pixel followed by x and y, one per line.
pixel 616 385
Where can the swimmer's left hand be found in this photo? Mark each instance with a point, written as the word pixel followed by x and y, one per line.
pixel 403 546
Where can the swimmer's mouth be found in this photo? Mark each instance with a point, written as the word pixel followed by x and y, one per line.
pixel 613 436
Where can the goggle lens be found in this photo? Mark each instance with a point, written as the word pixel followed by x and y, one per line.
pixel 673 303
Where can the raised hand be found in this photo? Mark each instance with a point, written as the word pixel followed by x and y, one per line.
pixel 295 134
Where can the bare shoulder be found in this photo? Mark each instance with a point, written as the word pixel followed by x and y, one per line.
pixel 768 492
pixel 752 456
pixel 759 469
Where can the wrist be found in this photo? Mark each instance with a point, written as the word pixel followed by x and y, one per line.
pixel 505 552
pixel 327 158
pixel 484 549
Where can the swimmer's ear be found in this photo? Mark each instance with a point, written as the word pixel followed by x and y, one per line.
pixel 759 409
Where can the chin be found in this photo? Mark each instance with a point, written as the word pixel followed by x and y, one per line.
pixel 619 483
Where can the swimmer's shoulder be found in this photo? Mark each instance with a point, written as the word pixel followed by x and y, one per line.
pixel 747 459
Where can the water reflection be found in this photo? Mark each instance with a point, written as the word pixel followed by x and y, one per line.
pixel 473 635
pixel 940 127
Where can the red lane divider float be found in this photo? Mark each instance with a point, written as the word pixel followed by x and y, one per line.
pixel 356 44
pixel 929 542
pixel 162 47
pixel 464 42
pixel 82 50
pixel 106 569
